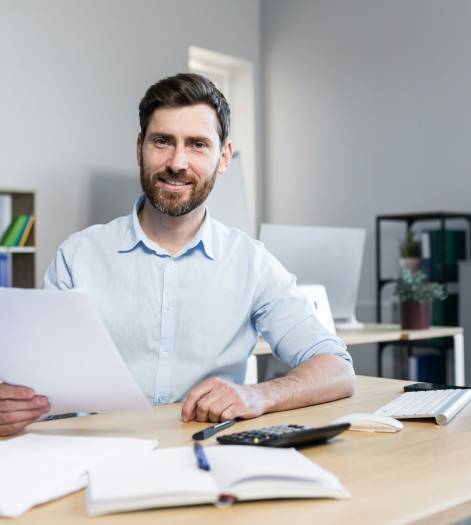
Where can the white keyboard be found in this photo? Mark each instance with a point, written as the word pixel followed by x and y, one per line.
pixel 443 405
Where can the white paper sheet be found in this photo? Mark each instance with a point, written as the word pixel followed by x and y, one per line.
pixel 36 468
pixel 54 342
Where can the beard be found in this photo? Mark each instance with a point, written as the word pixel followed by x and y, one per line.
pixel 175 204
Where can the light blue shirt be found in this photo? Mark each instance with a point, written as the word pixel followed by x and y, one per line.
pixel 180 319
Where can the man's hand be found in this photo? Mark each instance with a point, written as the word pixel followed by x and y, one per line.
pixel 218 400
pixel 19 406
pixel 322 378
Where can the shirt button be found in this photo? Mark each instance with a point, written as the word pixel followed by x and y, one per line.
pixel 163 398
pixel 164 355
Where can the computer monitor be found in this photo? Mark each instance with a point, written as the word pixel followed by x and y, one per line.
pixel 322 255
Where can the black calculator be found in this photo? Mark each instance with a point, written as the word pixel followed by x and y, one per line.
pixel 284 435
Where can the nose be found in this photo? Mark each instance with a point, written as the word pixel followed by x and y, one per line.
pixel 178 160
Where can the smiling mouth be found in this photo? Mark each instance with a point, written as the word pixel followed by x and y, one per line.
pixel 172 186
pixel 173 182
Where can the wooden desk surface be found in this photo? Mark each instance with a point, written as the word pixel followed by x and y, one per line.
pixel 420 472
pixel 380 333
pixel 384 333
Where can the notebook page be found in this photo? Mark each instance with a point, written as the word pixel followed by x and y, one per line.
pixel 36 468
pixel 161 473
pixel 231 464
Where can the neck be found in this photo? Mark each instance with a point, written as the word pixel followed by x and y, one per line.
pixel 171 233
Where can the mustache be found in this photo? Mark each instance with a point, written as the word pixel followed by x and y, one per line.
pixel 174 176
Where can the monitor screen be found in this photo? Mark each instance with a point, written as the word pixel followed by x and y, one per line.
pixel 321 255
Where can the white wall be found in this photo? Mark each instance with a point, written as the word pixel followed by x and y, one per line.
pixel 367 111
pixel 72 75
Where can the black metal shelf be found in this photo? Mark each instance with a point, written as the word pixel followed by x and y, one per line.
pixel 425 216
pixel 410 219
pixel 384 282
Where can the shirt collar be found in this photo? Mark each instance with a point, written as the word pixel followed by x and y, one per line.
pixel 135 235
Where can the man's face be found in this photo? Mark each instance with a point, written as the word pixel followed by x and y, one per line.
pixel 180 158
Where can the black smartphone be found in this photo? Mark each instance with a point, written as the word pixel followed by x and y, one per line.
pixel 417 387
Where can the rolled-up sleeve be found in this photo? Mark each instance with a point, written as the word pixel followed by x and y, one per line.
pixel 285 318
pixel 59 275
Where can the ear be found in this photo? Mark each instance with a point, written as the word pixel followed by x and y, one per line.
pixel 226 156
pixel 139 149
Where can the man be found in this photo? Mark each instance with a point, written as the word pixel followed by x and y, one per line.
pixel 183 296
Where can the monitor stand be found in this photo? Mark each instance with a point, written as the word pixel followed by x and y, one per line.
pixel 349 323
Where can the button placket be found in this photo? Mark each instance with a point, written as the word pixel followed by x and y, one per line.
pixel 167 338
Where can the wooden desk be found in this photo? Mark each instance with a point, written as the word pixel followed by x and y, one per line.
pixel 388 333
pixel 420 473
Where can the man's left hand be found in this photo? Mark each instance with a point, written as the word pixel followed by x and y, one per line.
pixel 218 400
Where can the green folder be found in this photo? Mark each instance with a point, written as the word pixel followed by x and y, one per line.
pixel 15 231
pixel 7 233
pixel 455 250
pixel 21 230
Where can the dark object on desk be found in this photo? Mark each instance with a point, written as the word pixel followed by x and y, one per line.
pixel 416 387
pixel 210 431
pixel 284 436
pixel 61 416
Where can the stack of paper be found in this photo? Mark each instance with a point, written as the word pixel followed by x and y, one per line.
pixel 64 328
pixel 36 468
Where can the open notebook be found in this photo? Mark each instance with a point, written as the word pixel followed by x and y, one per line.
pixel 171 477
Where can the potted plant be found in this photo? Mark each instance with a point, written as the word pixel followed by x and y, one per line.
pixel 415 294
pixel 410 251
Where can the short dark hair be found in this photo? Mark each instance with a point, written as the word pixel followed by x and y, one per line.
pixel 185 89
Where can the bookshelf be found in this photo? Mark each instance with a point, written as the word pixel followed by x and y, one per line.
pixel 21 260
pixel 443 220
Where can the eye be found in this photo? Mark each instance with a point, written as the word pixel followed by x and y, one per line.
pixel 198 144
pixel 160 142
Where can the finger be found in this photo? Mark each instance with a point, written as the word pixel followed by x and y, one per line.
pixel 7 418
pixel 191 417
pixel 205 404
pixel 217 409
pixel 15 392
pixel 240 410
pixel 12 405
pixel 13 428
pixel 195 394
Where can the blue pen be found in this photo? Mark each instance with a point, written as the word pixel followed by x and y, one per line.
pixel 200 457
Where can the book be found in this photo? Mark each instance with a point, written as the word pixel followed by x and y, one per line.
pixel 171 477
pixel 454 242
pixel 426 261
pixel 14 231
pixel 7 234
pixel 5 212
pixel 26 231
pixel 23 220
pixel 5 279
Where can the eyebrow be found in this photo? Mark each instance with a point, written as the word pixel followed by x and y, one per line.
pixel 200 138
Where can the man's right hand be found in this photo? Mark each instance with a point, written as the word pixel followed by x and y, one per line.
pixel 19 406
